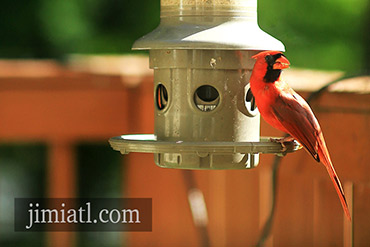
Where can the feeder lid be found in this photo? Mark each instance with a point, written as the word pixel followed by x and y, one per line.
pixel 148 143
pixel 224 34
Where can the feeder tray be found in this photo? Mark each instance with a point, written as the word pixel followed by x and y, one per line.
pixel 207 152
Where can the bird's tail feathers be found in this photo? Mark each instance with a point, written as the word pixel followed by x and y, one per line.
pixel 325 159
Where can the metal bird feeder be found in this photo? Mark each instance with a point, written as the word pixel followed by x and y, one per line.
pixel 205 116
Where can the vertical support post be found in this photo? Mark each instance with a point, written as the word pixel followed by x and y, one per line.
pixel 140 115
pixel 328 217
pixel 61 184
pixel 217 213
pixel 348 226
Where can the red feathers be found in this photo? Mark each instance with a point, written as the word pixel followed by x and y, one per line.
pixel 284 109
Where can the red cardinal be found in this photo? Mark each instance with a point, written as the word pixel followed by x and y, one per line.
pixel 285 110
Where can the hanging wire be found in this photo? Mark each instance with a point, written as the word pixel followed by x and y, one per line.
pixel 266 230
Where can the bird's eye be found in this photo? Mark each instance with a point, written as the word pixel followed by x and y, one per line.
pixel 269 59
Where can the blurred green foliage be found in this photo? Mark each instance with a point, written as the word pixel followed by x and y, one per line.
pixel 322 34
pixel 53 28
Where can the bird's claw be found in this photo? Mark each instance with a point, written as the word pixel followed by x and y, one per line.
pixel 282 142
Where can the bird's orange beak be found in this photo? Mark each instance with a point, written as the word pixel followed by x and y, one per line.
pixel 281 63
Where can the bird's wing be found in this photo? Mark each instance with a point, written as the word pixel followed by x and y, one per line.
pixel 296 116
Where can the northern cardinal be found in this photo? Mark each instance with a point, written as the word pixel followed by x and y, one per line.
pixel 282 108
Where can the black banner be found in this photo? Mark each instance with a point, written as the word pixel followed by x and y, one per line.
pixel 83 214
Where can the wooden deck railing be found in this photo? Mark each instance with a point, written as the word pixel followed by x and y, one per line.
pixel 44 101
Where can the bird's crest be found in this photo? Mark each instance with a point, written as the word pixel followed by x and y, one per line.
pixel 266 53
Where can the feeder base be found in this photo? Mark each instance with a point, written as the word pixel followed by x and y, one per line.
pixel 201 155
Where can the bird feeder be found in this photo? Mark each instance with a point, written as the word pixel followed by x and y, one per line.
pixel 205 115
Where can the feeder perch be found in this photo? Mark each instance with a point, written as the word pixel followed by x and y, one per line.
pixel 205 115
